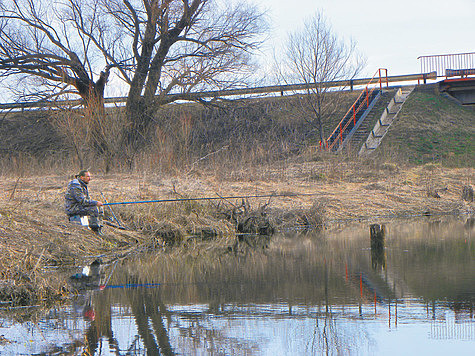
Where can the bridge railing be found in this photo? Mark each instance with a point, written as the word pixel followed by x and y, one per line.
pixel 361 103
pixel 445 65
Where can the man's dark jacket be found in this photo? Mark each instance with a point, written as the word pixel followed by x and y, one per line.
pixel 77 201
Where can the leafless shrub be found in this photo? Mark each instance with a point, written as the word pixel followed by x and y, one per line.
pixel 315 55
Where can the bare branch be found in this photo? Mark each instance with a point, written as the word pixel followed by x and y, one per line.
pixel 157 48
pixel 315 55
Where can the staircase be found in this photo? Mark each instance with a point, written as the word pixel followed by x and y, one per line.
pixel 356 115
pixel 359 136
pixel 387 118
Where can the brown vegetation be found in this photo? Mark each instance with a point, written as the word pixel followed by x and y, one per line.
pixel 36 236
pixel 245 148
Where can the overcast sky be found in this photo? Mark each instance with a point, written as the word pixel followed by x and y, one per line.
pixel 391 34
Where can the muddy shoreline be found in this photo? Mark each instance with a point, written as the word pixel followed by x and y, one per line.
pixel 36 237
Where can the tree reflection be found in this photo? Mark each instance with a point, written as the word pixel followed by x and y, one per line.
pixel 204 301
pixel 148 308
pixel 97 311
pixel 326 335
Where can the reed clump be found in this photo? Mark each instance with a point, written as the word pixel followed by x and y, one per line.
pixel 23 280
pixel 174 224
pixel 312 218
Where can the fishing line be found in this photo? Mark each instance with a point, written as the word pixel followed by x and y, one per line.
pixel 210 198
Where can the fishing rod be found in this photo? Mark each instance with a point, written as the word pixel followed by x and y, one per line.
pixel 129 285
pixel 112 211
pixel 208 198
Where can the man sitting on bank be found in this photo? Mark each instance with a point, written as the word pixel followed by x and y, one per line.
pixel 78 204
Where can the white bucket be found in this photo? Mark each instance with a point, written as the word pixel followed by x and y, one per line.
pixel 84 220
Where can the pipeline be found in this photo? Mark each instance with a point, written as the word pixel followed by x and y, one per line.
pixel 209 198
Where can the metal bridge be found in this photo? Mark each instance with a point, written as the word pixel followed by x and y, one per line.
pixel 449 65
pixel 458 70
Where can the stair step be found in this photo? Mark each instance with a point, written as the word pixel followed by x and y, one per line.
pixel 364 125
pixel 367 125
pixel 392 108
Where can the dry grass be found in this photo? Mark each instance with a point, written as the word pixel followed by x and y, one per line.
pixel 244 150
pixel 35 234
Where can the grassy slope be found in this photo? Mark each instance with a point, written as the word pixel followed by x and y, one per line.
pixel 432 128
pixel 429 128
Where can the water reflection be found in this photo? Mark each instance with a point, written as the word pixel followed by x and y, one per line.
pixel 378 253
pixel 340 293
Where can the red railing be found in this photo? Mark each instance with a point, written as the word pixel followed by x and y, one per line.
pixel 367 92
pixel 440 63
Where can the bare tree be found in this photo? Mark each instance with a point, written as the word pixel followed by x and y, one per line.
pixel 175 47
pixel 315 55
pixel 162 49
pixel 42 46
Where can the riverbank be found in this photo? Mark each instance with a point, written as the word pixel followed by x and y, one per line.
pixel 36 236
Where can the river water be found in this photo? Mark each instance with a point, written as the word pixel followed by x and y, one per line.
pixel 332 293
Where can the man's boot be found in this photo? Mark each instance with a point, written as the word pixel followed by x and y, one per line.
pixel 95 224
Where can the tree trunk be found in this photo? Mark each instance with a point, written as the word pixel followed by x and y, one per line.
pixel 94 110
pixel 137 111
pixel 95 115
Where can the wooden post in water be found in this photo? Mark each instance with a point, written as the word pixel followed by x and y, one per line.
pixel 377 233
